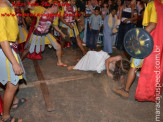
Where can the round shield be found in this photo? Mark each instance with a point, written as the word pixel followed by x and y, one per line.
pixel 138 43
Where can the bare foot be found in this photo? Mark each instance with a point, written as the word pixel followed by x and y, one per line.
pixel 121 92
pixel 70 67
pixel 62 64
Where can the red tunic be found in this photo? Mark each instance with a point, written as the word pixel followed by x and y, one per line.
pixel 42 28
pixel 151 76
pixel 33 55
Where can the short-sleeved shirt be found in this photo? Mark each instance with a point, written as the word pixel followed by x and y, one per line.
pixel 95 21
pixel 104 11
pixel 8 25
pixel 127 13
pixel 150 14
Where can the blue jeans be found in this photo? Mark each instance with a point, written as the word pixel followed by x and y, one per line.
pixel 93 39
pixel 87 34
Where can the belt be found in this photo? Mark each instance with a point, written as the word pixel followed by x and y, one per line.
pixel 40 34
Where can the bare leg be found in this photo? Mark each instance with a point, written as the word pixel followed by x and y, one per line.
pixel 8 99
pixel 79 42
pixel 14 102
pixel 122 81
pixel 62 42
pixel 59 53
pixel 130 78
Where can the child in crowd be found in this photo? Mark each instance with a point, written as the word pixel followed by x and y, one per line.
pixel 89 10
pixel 110 24
pixel 104 10
pixel 95 23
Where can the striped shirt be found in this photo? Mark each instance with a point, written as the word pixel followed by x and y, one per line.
pixel 127 13
pixel 88 10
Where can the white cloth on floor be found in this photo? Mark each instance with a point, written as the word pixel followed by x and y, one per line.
pixel 92 61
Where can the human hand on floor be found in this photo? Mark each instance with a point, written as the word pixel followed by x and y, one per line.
pixel 109 74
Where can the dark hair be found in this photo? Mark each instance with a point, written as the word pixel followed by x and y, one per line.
pixel 122 2
pixel 103 4
pixel 97 8
pixel 113 8
pixel 121 68
pixel 82 9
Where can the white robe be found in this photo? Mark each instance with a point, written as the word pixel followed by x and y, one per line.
pixel 92 61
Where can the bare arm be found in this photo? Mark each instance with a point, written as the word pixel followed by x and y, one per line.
pixel 63 20
pixel 60 32
pixel 3 4
pixel 23 20
pixel 91 9
pixel 88 15
pixel 132 19
pixel 120 12
pixel 8 52
pixel 151 26
pixel 122 81
pixel 107 63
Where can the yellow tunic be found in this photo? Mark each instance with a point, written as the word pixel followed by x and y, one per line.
pixel 9 32
pixel 8 25
pixel 150 14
